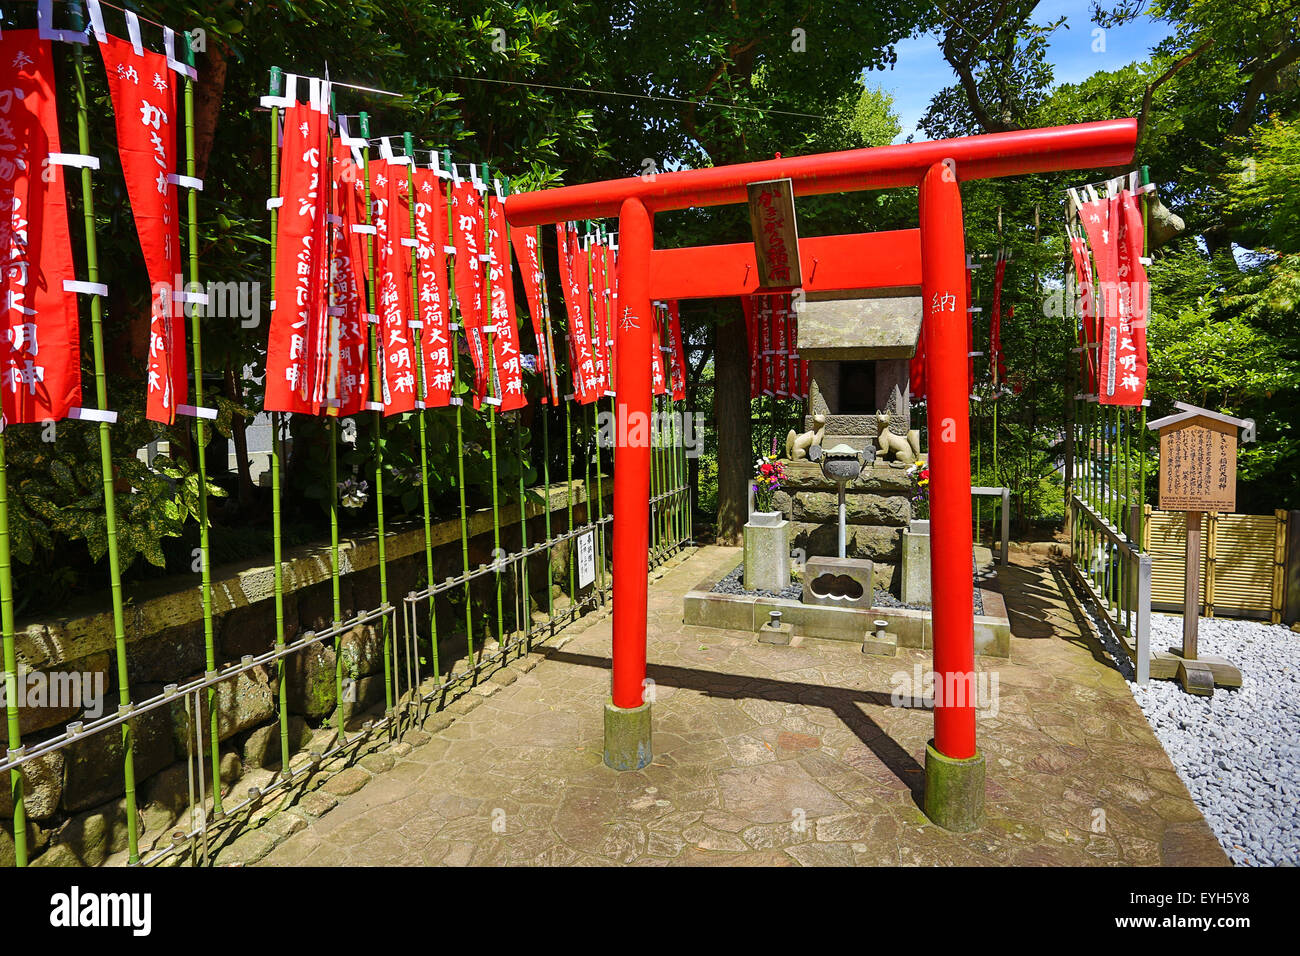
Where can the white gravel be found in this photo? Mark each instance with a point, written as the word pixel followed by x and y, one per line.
pixel 1238 752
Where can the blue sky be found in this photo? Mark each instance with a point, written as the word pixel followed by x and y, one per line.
pixel 921 70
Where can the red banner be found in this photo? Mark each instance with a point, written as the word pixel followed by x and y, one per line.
pixel 505 340
pixel 1095 217
pixel 1086 332
pixel 658 384
pixel 677 357
pixel 526 251
pixel 755 356
pixel 349 375
pixel 582 364
pixel 600 334
pixel 467 209
pixel 997 366
pixel 1123 363
pixel 42 372
pixel 144 111
pixel 393 285
pixel 435 333
pixel 296 349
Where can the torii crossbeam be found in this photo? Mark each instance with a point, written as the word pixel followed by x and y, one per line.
pixel 954 768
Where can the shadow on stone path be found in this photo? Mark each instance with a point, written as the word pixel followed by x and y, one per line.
pixel 768 755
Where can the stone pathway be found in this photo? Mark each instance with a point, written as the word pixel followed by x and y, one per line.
pixel 769 755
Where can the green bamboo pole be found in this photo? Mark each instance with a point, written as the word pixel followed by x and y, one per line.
pixel 377 396
pixel 1142 428
pixel 106 449
pixel 459 401
pixel 526 621
pixel 546 480
pixel 196 348
pixel 595 414
pixel 11 668
pixel 495 387
pixel 409 142
pixel 568 490
pixel 276 535
pixel 332 427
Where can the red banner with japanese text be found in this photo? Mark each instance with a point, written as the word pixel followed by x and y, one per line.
pixel 582 364
pixel 1095 216
pixel 505 339
pixel 144 112
pixel 1123 363
pixel 467 233
pixel 296 349
pixel 434 311
pixel 393 287
pixel 348 385
pixel 755 356
pixel 600 334
pixel 677 358
pixel 528 254
pixel 42 369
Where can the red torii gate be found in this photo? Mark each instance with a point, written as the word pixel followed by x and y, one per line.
pixel 933 256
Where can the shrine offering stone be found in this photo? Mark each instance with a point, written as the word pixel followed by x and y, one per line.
pixel 838 582
pixel 916 564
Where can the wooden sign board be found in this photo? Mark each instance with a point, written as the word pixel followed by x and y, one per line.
pixel 776 237
pixel 1198 465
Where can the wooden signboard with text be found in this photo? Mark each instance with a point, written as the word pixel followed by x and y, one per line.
pixel 776 238
pixel 1198 465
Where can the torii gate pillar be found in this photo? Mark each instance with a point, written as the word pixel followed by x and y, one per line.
pixel 627 712
pixel 954 769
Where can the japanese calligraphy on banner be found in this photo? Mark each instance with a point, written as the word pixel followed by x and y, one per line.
pixel 677 358
pixel 582 364
pixel 776 240
pixel 600 333
pixel 755 351
pixel 1095 217
pixel 349 373
pixel 435 336
pixel 1123 364
pixel 505 341
pixel 526 251
pixel 144 112
pixel 297 348
pixel 42 365
pixel 467 210
pixel 393 285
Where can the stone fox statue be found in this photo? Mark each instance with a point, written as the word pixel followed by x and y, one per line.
pixel 796 445
pixel 904 448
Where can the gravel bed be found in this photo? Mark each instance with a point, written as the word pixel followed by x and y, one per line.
pixel 1238 752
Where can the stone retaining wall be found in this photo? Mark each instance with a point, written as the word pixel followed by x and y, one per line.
pixel 878 506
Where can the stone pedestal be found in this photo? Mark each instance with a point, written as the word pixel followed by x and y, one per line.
pixel 627 736
pixel 767 552
pixel 916 564
pixel 954 790
pixel 838 582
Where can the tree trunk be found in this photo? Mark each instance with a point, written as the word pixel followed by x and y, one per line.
pixel 735 444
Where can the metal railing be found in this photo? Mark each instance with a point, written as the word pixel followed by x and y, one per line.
pixel 1116 577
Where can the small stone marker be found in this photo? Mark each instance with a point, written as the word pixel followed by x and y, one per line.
pixel 774 631
pixel 1198 473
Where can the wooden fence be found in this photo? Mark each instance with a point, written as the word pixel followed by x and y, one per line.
pixel 1243 565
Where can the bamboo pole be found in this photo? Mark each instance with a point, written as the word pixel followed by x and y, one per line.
pixel 377 397
pixel 495 386
pixel 459 401
pixel 11 668
pixel 196 348
pixel 332 428
pixel 106 449
pixel 525 624
pixel 417 332
pixel 276 534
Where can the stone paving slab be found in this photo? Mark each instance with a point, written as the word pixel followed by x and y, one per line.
pixel 769 755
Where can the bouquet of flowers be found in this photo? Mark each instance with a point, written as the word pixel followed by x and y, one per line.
pixel 770 477
pixel 919 472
